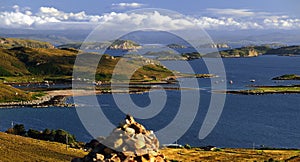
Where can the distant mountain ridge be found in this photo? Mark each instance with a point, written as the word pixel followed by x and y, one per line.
pixel 253 51
pixel 114 45
pixel 16 42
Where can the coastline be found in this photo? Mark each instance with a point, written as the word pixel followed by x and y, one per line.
pixel 57 98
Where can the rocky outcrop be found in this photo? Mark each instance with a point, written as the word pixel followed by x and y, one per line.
pixel 124 45
pixel 129 142
pixel 252 53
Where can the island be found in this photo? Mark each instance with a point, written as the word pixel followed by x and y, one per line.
pixel 287 77
pixel 285 51
pixel 174 46
pixel 248 51
pixel 259 90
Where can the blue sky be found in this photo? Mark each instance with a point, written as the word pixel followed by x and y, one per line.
pixel 212 14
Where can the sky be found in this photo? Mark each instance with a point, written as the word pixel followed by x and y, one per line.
pixel 209 14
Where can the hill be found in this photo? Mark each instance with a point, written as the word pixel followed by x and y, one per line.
pixel 11 94
pixel 248 51
pixel 114 45
pixel 20 61
pixel 289 50
pixel 252 51
pixel 58 62
pixel 18 148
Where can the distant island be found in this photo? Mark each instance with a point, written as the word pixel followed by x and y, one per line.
pixel 248 51
pixel 254 51
pixel 174 46
pixel 287 77
pixel 259 90
pixel 171 55
pixel 285 51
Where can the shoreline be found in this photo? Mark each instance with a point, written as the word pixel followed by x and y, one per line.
pixel 57 98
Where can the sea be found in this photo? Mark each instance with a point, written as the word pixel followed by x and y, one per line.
pixel 246 121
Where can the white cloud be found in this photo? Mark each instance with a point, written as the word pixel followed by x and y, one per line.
pixel 232 12
pixel 127 5
pixel 49 18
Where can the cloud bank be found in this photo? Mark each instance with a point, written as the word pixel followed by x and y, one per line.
pixel 223 19
pixel 127 5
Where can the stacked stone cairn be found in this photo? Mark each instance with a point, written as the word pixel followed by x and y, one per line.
pixel 129 142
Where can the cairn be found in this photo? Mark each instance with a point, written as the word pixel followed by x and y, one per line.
pixel 129 142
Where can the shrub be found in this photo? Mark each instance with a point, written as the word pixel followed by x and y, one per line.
pixel 187 146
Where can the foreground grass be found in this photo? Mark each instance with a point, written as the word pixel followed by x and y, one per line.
pixel 17 148
pixel 229 155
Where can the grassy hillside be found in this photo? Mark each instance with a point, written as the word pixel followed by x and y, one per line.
pixel 229 155
pixel 249 51
pixel 117 44
pixel 20 61
pixel 17 148
pixel 37 62
pixel 289 50
pixel 11 65
pixel 9 94
pixel 16 42
pixel 144 71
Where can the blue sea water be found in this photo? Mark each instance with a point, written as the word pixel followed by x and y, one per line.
pixel 271 120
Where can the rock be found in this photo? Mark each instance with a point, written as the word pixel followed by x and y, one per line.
pixel 118 143
pixel 99 157
pixel 139 142
pixel 115 158
pixel 129 142
pixel 130 131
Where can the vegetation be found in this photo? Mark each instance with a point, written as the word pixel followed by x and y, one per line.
pixel 11 94
pixel 171 55
pixel 263 49
pixel 144 70
pixel 244 51
pixel 173 45
pixel 287 77
pixel 24 64
pixel 59 135
pixel 192 55
pixel 269 90
pixel 289 50
pixel 19 148
pixel 228 154
pixel 248 51
pixel 15 42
